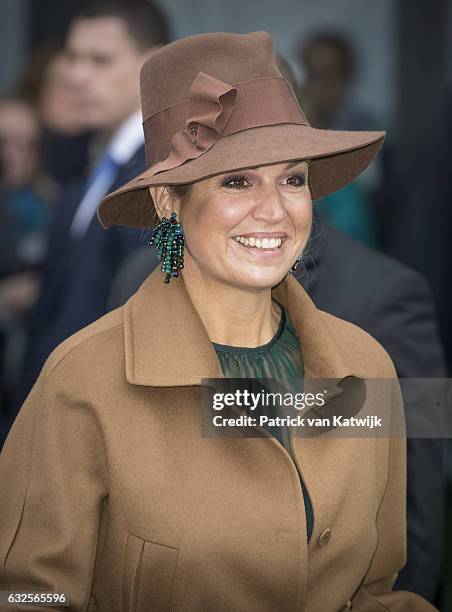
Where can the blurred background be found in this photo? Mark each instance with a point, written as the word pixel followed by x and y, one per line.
pixel 356 65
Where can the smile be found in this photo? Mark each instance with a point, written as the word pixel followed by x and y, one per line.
pixel 260 243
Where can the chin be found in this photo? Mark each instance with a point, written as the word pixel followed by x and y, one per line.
pixel 261 281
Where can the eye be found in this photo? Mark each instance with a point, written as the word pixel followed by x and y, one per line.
pixel 236 182
pixel 297 180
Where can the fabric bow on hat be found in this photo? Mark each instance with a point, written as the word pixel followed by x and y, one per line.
pixel 210 104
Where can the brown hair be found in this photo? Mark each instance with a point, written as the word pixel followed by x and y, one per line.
pixel 182 192
pixel 146 22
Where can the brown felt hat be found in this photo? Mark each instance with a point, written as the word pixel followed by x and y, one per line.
pixel 215 103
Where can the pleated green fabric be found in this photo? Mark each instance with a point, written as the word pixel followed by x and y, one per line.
pixel 280 362
pixel 279 359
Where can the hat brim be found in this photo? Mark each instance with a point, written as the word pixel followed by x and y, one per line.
pixel 336 158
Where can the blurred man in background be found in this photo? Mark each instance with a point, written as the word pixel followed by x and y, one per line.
pixel 108 42
pixel 329 64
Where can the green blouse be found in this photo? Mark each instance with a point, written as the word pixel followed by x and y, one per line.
pixel 280 362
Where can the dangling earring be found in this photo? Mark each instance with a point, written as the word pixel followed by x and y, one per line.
pixel 295 266
pixel 168 238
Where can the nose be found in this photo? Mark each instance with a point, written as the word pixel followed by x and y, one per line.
pixel 269 206
pixel 78 73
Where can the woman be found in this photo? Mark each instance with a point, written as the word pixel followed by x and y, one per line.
pixel 111 494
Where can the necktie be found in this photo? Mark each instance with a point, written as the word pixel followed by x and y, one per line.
pixel 98 184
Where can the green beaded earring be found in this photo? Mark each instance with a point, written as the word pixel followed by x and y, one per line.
pixel 168 238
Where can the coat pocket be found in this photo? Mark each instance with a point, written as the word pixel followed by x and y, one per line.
pixel 148 575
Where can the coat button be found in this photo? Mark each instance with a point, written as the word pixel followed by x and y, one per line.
pixel 324 537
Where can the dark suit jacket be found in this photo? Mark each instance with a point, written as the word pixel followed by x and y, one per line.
pixel 392 303
pixel 431 245
pixel 77 274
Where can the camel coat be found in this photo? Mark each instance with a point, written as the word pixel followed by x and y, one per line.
pixel 110 494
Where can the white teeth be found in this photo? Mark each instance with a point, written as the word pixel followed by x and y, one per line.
pixel 260 243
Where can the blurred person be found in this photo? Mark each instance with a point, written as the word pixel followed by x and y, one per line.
pixel 25 192
pixel 107 44
pixel 329 64
pixel 19 137
pixel 25 196
pixel 46 85
pixel 66 135
pixel 65 138
pixel 58 106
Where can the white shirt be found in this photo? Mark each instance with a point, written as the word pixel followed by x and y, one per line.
pixel 126 141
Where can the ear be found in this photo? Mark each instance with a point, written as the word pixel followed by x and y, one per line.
pixel 162 200
pixel 165 203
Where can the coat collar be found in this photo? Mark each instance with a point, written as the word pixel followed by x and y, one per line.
pixel 166 343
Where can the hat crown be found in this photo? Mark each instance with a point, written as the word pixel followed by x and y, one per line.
pixel 167 75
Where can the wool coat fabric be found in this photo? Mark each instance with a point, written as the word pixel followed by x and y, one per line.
pixel 111 495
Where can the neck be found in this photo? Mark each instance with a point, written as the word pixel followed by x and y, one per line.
pixel 232 315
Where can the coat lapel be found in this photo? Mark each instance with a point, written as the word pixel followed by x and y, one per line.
pixel 166 343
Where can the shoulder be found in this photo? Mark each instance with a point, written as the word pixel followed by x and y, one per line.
pixel 360 347
pixel 90 355
pixel 81 382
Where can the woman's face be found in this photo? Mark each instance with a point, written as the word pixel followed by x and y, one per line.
pixel 247 228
